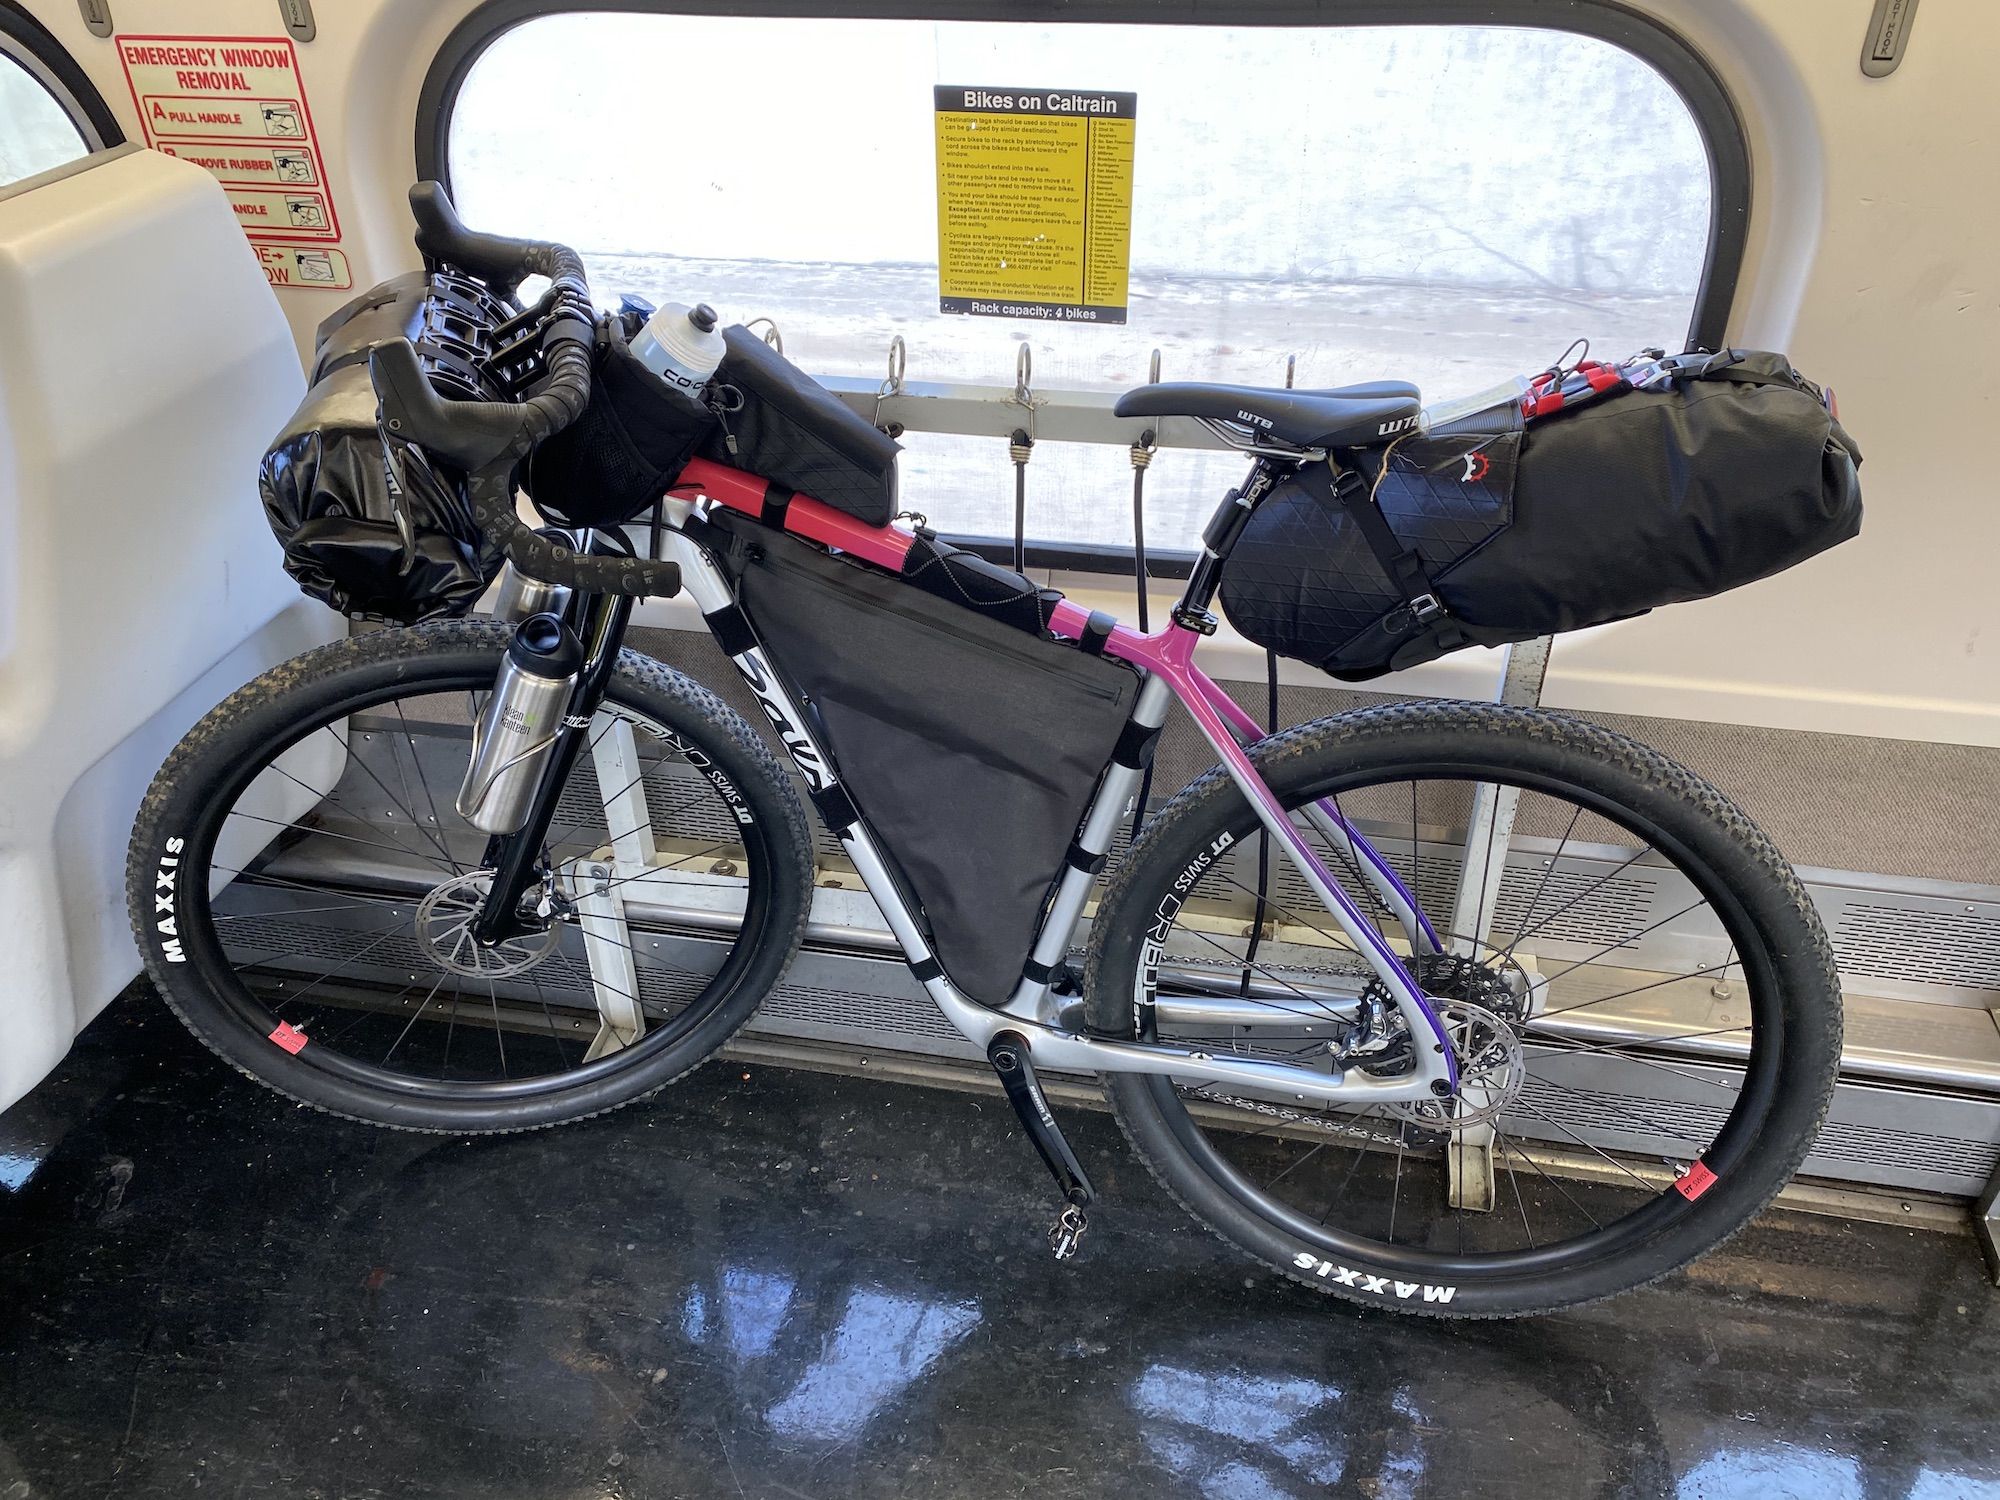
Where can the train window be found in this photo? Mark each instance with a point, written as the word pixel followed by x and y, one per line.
pixel 1447 204
pixel 36 132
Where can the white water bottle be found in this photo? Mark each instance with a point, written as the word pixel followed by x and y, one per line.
pixel 680 345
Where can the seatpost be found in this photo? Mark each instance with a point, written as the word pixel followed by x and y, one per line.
pixel 1217 540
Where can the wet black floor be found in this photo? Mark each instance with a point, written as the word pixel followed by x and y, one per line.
pixel 766 1283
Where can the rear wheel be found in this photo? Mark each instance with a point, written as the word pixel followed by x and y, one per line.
pixel 1640 994
pixel 301 886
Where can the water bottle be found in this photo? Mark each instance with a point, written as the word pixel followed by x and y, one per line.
pixel 519 726
pixel 680 345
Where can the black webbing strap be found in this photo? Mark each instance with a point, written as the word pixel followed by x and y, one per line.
pixel 1134 749
pixel 1096 631
pixel 1036 973
pixel 777 498
pixel 835 808
pixel 731 629
pixel 927 969
pixel 1080 858
pixel 1404 569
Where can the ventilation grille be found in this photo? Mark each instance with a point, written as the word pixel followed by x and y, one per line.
pixel 1929 942
pixel 889 1016
pixel 1624 1121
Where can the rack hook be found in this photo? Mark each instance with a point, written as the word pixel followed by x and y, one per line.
pixel 892 384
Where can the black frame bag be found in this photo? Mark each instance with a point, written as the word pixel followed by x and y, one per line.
pixel 1496 534
pixel 971 744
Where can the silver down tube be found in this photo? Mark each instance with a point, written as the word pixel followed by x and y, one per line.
pixel 519 725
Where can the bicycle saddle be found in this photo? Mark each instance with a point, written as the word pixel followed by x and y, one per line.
pixel 1349 416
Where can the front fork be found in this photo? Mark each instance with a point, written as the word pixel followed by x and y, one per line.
pixel 599 622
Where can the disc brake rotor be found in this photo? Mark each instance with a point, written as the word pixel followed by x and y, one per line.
pixel 444 929
pixel 1492 1070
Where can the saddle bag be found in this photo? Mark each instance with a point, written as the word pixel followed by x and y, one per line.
pixel 1489 530
pixel 969 741
pixel 370 526
pixel 780 423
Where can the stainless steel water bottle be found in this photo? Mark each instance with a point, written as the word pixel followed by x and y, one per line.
pixel 520 596
pixel 519 725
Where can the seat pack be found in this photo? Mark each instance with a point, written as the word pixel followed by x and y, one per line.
pixel 1679 479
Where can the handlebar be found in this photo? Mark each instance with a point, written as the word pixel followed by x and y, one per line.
pixel 488 439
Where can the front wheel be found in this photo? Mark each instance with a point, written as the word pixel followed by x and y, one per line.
pixel 1641 994
pixel 301 887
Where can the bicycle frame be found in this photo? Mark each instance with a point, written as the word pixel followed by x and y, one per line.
pixel 1033 1014
pixel 1165 661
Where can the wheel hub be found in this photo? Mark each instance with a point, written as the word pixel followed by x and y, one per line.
pixel 444 931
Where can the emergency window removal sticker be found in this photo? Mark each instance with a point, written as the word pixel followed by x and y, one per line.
pixel 236 107
pixel 1034 192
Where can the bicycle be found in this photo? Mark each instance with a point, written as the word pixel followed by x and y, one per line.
pixel 1415 1009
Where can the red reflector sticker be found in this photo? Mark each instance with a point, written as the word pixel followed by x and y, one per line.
pixel 294 1042
pixel 1697 1181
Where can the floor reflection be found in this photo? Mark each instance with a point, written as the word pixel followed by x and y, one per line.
pixel 769 1284
pixel 883 1343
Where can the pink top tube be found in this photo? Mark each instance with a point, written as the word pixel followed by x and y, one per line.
pixel 884 546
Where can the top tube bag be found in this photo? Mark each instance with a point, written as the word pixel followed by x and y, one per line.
pixel 1734 470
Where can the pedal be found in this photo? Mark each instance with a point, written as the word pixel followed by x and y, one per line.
pixel 1067 1232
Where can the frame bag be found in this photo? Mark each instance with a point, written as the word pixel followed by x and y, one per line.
pixel 1486 531
pixel 970 744
pixel 781 424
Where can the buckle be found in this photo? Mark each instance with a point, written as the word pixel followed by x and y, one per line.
pixel 1425 608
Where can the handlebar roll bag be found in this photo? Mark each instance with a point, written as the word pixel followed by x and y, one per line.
pixel 1737 471
pixel 608 467
pixel 971 745
pixel 779 423
pixel 370 525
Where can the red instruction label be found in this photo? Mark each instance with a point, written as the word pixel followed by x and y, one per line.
pixel 291 1039
pixel 236 107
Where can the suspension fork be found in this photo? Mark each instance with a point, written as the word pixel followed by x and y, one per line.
pixel 599 621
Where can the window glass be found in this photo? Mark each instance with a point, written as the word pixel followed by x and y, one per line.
pixel 36 133
pixel 1444 204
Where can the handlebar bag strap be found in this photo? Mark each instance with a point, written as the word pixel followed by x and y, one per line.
pixel 609 466
pixel 780 423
